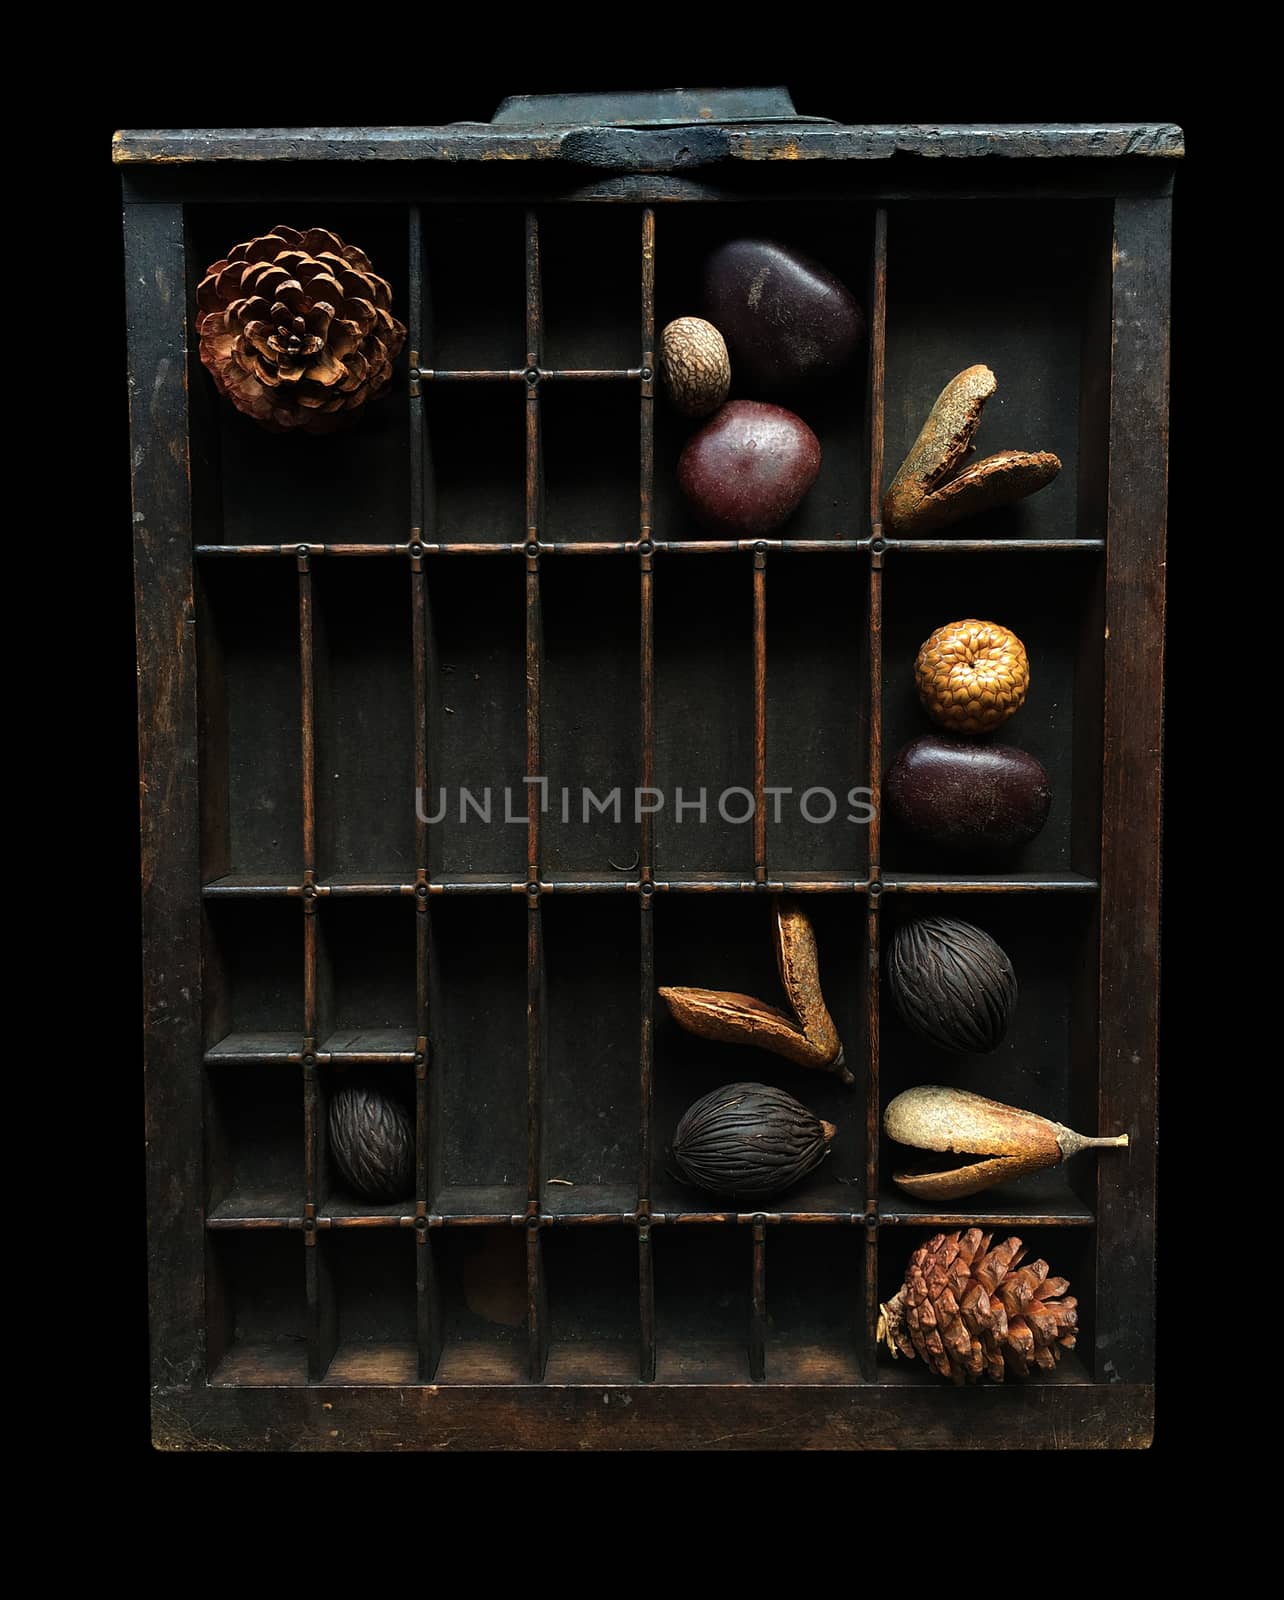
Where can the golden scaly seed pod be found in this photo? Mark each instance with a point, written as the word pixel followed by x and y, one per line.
pixel 972 675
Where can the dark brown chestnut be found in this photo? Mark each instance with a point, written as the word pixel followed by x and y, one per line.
pixel 748 468
pixel 968 796
pixel 786 319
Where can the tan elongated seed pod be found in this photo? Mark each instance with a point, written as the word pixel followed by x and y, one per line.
pixel 933 489
pixel 1007 1142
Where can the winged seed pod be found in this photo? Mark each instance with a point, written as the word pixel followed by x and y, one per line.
pixel 808 1038
pixel 952 983
pixel 998 1142
pixel 748 1138
pixel 933 488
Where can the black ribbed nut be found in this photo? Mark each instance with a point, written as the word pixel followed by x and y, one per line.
pixel 532 547
pixel 309 1060
pixel 877 546
pixel 416 549
pixel 648 887
pixel 533 1222
pixel 646 374
pixel 421 1224
pixel 875 889
pixel 645 547
pixel 532 376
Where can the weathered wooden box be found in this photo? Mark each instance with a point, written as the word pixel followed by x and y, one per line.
pixel 493 578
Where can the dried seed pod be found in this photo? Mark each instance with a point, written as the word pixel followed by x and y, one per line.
pixel 372 1141
pixel 1001 1141
pixel 952 983
pixel 968 1312
pixel 972 675
pixel 930 491
pixel 695 365
pixel 809 1038
pixel 748 1138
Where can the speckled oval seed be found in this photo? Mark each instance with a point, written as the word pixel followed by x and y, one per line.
pixel 695 366
pixel 748 468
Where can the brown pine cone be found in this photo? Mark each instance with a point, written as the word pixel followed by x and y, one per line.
pixel 297 331
pixel 967 1310
pixel 972 675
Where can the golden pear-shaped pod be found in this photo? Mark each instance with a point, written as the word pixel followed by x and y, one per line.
pixel 1002 1142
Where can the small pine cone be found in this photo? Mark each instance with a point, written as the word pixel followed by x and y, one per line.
pixel 968 1311
pixel 972 675
pixel 297 331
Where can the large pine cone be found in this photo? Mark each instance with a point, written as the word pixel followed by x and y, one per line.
pixel 297 331
pixel 967 1311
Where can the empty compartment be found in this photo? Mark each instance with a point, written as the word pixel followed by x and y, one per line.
pixel 815 1304
pixel 477 1072
pixel 725 942
pixel 476 802
pixel 1015 287
pixel 591 1284
pixel 365 704
pixel 371 1279
pixel 1068 1253
pixel 1053 604
pixel 1045 1063
pixel 474 258
pixel 817 716
pixel 253 977
pixel 367 988
pixel 350 486
pixel 481 1278
pixel 591 462
pixel 591 717
pixel 256 1307
pixel 340 1198
pixel 591 270
pixel 254 1142
pixel 250 735
pixel 477 463
pixel 591 1093
pixel 703 1279
pixel 703 717
pixel 836 506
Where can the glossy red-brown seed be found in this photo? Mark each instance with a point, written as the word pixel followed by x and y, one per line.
pixel 748 468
